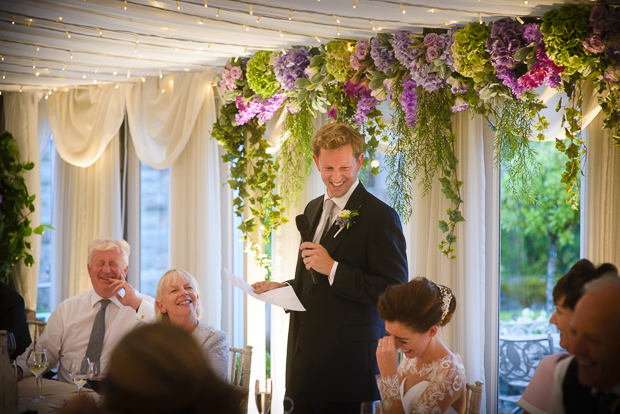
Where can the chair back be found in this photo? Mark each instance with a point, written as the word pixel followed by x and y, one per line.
pixel 520 355
pixel 474 398
pixel 36 328
pixel 239 367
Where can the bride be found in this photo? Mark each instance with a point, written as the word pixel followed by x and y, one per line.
pixel 430 378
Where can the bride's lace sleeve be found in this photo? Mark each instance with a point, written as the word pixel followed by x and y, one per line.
pixel 389 390
pixel 447 380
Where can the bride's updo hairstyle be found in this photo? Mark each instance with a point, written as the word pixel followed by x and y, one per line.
pixel 419 304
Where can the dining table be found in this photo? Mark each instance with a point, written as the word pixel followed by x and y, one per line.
pixel 57 393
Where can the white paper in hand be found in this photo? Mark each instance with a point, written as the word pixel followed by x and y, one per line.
pixel 283 297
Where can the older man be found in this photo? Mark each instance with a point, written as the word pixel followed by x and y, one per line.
pixel 590 382
pixel 91 323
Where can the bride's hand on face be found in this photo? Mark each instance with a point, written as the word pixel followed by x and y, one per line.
pixel 387 356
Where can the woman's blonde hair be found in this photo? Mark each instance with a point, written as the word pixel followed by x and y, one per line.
pixel 165 280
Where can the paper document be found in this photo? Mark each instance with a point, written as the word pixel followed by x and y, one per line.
pixel 283 297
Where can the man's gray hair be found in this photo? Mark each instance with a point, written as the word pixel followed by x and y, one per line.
pixel 607 279
pixel 104 243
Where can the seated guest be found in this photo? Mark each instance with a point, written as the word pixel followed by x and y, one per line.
pixel 430 378
pixel 178 301
pixel 13 318
pixel 589 382
pixel 91 323
pixel 159 369
pixel 566 293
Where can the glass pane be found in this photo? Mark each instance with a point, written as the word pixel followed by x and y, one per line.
pixel 154 225
pixel 47 174
pixel 539 243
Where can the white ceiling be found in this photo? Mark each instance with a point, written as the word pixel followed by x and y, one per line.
pixel 103 34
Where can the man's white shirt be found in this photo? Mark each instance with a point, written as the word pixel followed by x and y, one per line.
pixel 340 204
pixel 68 330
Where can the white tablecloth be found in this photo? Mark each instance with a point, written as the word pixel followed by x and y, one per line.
pixel 56 392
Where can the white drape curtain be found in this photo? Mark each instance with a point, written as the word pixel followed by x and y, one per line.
pixel 21 114
pixel 170 121
pixel 465 275
pixel 601 198
pixel 87 193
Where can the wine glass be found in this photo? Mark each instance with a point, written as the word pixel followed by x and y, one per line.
pixel 263 399
pixel 96 375
pixel 11 343
pixel 37 362
pixel 78 371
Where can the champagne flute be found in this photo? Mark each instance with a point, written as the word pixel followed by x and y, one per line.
pixel 37 363
pixel 78 371
pixel 263 399
pixel 96 375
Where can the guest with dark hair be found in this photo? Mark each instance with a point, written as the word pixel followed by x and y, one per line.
pixel 13 318
pixel 430 378
pixel 566 293
pixel 160 369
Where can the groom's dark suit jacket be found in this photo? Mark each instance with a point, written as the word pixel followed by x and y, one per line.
pixel 338 332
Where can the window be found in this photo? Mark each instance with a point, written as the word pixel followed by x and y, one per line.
pixel 539 243
pixel 154 225
pixel 44 305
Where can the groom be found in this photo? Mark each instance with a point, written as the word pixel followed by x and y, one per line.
pixel 331 363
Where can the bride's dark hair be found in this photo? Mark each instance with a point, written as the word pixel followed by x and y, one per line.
pixel 419 304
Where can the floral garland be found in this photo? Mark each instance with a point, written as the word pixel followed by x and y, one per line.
pixel 489 69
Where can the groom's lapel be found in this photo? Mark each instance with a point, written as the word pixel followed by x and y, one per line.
pixel 314 214
pixel 355 201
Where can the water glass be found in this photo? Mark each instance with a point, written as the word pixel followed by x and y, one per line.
pixel 78 371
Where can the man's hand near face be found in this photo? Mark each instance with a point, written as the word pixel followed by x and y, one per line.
pixel 131 298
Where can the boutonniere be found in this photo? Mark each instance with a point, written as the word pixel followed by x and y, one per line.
pixel 345 219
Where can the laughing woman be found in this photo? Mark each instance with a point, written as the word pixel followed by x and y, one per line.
pixel 178 301
pixel 430 378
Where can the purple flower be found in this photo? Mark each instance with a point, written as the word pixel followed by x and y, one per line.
pixel 531 33
pixel 384 58
pixel 459 106
pixel 431 53
pixel 271 105
pixel 228 64
pixel 504 41
pixel 612 74
pixel 409 102
pixel 291 66
pixel 248 109
pixel 430 39
pixel 598 27
pixel 333 112
pixel 598 12
pixel 544 70
pixel 236 73
pixel 594 44
pixel 352 87
pixel 402 42
pixel 364 106
pixel 361 49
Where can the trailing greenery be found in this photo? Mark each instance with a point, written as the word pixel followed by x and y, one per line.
pixel 295 157
pixel 252 174
pixel 16 204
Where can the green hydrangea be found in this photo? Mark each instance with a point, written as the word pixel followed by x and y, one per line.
pixel 471 57
pixel 337 61
pixel 564 31
pixel 260 74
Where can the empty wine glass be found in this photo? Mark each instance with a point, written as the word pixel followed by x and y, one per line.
pixel 78 371
pixel 96 374
pixel 37 362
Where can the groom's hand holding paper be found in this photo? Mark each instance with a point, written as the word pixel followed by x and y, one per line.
pixel 278 294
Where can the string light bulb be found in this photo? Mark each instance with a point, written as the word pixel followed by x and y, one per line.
pixel 1 57
pixel 100 32
pixel 479 18
pixel 37 74
pixel 525 1
pixel 49 92
pixel 58 20
pixel 374 29
pixel 202 21
pixel 70 54
pixel 246 28
pixel 97 69
pixel 432 10
pixel 33 65
pixel 116 87
pixel 137 41
pixel 125 4
pixel 160 75
pixel 281 34
pixel 29 22
pixel 251 12
pixel 336 19
pixel 114 73
pixel 95 81
pixel 209 46
pixel 3 74
pixel 338 29
pixel 290 15
pixel 36 47
pixel 20 89
pixel 317 39
pixel 519 20
pixel 355 4
pixel 401 9
pixel 13 22
pixel 178 5
pixel 258 19
pixel 64 67
pixel 206 5
pixel 218 13
pixel 142 79
pixel 68 35
pixel 136 48
pixel 245 51
pixel 83 76
pixel 128 72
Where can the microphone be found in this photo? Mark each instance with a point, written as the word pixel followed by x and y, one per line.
pixel 303 225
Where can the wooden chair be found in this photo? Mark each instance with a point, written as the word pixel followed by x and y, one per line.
pixel 239 366
pixel 36 328
pixel 474 398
